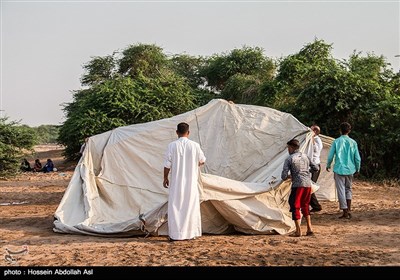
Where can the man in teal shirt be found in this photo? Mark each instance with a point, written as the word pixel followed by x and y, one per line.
pixel 347 162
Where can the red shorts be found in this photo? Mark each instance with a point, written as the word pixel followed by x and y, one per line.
pixel 299 199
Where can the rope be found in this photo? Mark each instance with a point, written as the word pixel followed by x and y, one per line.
pixel 198 129
pixel 24 251
pixel 9 256
pixel 143 225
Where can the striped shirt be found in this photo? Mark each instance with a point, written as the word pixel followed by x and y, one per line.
pixel 298 164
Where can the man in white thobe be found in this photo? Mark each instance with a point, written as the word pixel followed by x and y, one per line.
pixel 183 158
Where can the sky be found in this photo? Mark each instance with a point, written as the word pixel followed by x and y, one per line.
pixel 44 44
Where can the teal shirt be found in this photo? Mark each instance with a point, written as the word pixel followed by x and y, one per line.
pixel 347 157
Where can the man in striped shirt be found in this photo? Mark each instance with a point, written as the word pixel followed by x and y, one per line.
pixel 298 164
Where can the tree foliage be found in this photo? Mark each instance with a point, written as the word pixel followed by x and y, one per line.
pixel 189 67
pixel 47 133
pixel 243 89
pixel 15 140
pixel 246 61
pixel 142 84
pixel 98 70
pixel 316 88
pixel 142 59
pixel 143 91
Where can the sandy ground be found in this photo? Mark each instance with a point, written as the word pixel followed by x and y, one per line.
pixel 27 204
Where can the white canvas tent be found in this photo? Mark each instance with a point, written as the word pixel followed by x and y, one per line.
pixel 116 188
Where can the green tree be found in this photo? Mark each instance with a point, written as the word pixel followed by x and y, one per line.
pixel 189 67
pixel 119 102
pixel 15 140
pixel 247 61
pixel 316 88
pixel 142 59
pixel 139 85
pixel 376 115
pixel 243 89
pixel 98 70
pixel 312 73
pixel 142 84
pixel 47 133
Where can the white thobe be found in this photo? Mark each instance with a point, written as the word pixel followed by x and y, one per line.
pixel 184 218
pixel 317 148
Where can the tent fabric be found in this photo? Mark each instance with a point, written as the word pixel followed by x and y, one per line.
pixel 116 188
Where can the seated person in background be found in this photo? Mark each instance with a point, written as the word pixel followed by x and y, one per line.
pixel 25 165
pixel 48 167
pixel 37 166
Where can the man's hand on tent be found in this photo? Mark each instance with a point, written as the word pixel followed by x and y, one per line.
pixel 166 183
pixel 289 177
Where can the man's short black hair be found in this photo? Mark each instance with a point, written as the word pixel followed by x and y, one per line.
pixel 294 143
pixel 182 128
pixel 345 127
